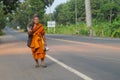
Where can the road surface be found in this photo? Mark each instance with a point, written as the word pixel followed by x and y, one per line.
pixel 69 58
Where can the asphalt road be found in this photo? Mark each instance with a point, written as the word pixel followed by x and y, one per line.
pixel 69 58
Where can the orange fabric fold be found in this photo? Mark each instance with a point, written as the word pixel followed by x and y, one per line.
pixel 37 44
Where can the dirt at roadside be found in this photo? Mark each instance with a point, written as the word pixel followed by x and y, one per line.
pixel 9 45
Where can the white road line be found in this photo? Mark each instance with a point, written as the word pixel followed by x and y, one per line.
pixel 85 43
pixel 81 75
pixel 99 38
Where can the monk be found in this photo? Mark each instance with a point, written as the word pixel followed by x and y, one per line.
pixel 38 41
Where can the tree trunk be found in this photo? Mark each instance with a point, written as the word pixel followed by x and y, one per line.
pixel 88 15
pixel 110 18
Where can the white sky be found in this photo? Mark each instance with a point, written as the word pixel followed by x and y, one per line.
pixel 54 5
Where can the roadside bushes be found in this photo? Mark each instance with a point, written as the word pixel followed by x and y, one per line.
pixel 115 28
pixel 102 29
pixel 2 20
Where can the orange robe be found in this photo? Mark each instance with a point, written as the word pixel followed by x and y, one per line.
pixel 37 44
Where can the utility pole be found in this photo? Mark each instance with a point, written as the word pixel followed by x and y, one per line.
pixel 50 11
pixel 50 14
pixel 76 20
pixel 88 16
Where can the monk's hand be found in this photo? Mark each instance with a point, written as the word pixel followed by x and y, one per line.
pixel 30 30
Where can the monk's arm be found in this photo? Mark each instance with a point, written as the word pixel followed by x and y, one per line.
pixel 44 38
pixel 29 30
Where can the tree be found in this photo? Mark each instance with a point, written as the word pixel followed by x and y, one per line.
pixel 111 9
pixel 65 13
pixel 88 13
pixel 2 19
pixel 9 5
pixel 62 14
pixel 102 10
pixel 48 2
pixel 26 10
pixel 105 10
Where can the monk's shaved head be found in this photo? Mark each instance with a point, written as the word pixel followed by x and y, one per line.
pixel 36 18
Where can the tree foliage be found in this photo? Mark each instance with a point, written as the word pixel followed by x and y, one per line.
pixel 6 7
pixel 26 10
pixel 65 13
pixel 105 15
pixel 9 5
pixel 102 10
pixel 2 18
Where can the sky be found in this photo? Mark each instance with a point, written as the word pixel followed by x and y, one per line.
pixel 54 5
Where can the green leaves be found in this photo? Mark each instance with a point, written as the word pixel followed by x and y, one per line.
pixel 24 13
pixel 48 3
pixel 115 27
pixel 2 19
pixel 102 10
pixel 65 13
pixel 105 14
pixel 9 5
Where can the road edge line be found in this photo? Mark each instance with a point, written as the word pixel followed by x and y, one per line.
pixel 85 43
pixel 79 74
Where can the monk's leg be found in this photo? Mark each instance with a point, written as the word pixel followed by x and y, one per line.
pixel 37 63
pixel 34 56
pixel 42 63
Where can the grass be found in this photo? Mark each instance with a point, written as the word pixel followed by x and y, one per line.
pixel 69 30
pixel 61 30
pixel 1 33
pixel 99 30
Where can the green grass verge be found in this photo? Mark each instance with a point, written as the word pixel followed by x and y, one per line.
pixel 1 33
pixel 99 30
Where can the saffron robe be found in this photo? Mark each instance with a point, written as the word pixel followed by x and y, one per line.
pixel 37 43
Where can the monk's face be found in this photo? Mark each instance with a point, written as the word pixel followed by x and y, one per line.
pixel 36 20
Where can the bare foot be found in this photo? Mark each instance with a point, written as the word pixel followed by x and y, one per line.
pixel 37 65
